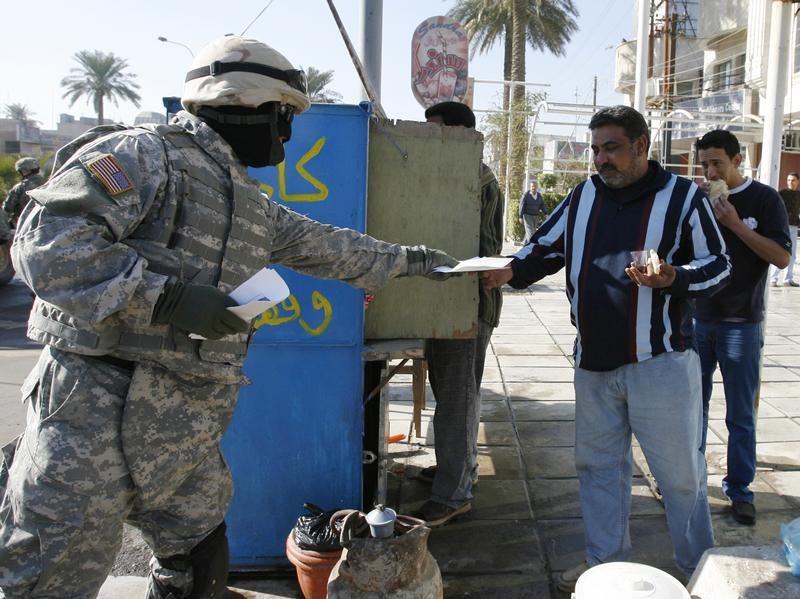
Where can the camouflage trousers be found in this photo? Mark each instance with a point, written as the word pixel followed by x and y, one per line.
pixel 105 445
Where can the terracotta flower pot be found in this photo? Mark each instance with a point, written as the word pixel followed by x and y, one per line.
pixel 313 568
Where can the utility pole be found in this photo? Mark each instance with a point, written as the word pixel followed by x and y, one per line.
pixel 642 46
pixel 594 94
pixel 668 80
pixel 777 74
pixel 372 43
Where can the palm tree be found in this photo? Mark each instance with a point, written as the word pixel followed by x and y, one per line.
pixel 98 77
pixel 545 25
pixel 317 81
pixel 20 113
pixel 549 25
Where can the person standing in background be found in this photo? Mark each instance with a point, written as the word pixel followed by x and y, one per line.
pixel 17 198
pixel 531 205
pixel 455 366
pixel 729 325
pixel 791 200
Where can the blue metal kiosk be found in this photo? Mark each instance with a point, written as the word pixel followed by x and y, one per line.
pixel 296 435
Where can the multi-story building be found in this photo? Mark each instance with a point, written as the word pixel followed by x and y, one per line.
pixel 29 139
pixel 707 68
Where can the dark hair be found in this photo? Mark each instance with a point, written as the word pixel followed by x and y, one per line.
pixel 793 174
pixel 630 120
pixel 453 113
pixel 719 138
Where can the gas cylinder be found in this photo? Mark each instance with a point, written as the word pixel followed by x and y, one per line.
pixel 394 565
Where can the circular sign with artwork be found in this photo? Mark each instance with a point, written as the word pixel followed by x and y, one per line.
pixel 439 61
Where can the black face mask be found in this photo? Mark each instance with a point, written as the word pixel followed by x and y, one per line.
pixel 253 133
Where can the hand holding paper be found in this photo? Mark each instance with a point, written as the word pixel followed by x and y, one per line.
pixel 257 294
pixel 476 265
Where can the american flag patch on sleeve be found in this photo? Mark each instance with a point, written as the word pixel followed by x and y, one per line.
pixel 108 171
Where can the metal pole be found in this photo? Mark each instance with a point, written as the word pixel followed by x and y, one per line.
pixel 372 42
pixel 777 74
pixel 642 44
pixel 508 149
pixel 371 94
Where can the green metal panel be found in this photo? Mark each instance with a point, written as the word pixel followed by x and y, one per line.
pixel 424 188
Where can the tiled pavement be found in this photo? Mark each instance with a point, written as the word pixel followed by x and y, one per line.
pixel 525 526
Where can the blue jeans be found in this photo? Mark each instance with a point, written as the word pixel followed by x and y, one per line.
pixel 659 401
pixel 455 371
pixel 736 347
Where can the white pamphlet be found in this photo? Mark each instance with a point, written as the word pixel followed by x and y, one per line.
pixel 257 294
pixel 476 264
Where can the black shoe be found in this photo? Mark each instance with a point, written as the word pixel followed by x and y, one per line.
pixel 436 514
pixel 744 512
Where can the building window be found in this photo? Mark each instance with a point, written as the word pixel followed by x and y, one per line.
pixel 729 73
pixel 688 89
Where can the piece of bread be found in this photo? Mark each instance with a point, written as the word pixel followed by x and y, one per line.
pixel 717 188
pixel 655 261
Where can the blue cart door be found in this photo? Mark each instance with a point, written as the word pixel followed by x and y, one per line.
pixel 296 435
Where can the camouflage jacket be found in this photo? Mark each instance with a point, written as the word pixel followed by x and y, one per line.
pixel 103 239
pixel 18 198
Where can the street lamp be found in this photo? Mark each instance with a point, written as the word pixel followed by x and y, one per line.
pixel 161 38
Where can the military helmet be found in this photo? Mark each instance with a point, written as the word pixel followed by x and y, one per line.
pixel 234 71
pixel 26 163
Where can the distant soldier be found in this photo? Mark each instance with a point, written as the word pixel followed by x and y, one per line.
pixel 17 199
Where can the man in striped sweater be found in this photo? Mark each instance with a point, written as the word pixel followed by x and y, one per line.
pixel 636 370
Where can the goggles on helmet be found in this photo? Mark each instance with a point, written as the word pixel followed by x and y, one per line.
pixel 295 78
pixel 270 113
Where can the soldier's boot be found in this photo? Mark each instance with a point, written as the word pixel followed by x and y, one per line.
pixel 203 574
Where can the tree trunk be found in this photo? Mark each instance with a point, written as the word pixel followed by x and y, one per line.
pixel 100 109
pixel 519 140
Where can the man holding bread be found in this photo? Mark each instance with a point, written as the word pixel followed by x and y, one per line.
pixel 729 325
pixel 635 367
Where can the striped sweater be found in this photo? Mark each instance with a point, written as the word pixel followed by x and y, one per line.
pixel 592 233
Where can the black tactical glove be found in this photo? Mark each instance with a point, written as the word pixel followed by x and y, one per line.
pixel 200 309
pixel 422 261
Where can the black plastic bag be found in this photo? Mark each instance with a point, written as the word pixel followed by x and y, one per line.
pixel 314 532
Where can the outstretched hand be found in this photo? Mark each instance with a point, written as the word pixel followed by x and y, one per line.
pixel 496 278
pixel 649 278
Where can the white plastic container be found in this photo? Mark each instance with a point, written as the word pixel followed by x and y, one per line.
pixel 627 580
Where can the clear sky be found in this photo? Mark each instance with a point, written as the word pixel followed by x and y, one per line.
pixel 37 46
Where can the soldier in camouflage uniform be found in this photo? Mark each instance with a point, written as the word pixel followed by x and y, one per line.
pixel 17 198
pixel 133 244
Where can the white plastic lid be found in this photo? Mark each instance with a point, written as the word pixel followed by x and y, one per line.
pixel 627 580
pixel 381 515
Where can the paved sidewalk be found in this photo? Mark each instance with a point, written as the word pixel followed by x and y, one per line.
pixel 525 526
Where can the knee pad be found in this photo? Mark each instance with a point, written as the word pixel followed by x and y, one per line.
pixel 205 568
